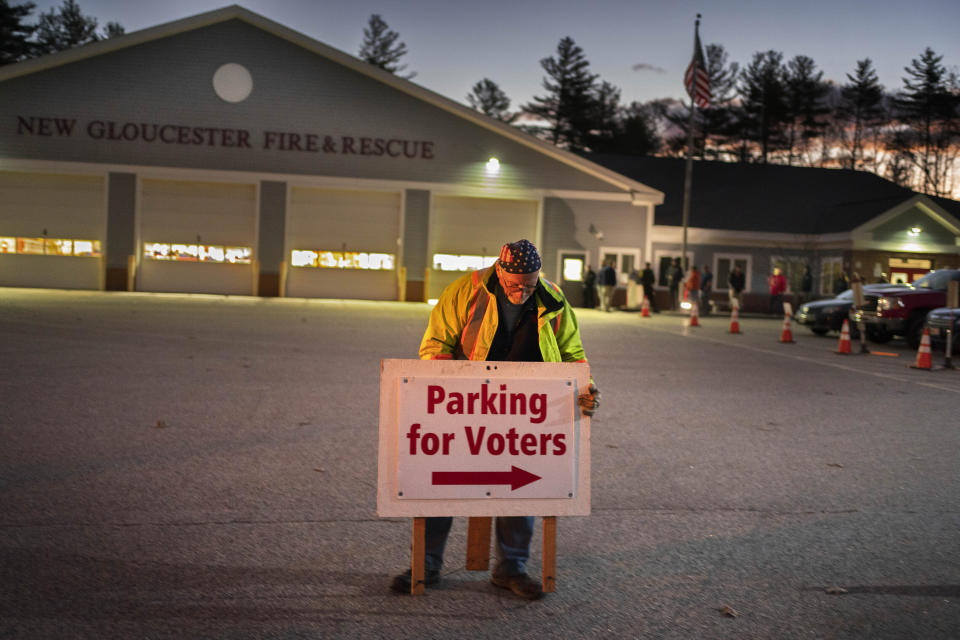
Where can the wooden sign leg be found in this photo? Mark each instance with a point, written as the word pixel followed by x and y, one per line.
pixel 417 556
pixel 549 554
pixel 478 543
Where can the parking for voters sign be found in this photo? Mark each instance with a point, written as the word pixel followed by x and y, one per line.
pixel 465 438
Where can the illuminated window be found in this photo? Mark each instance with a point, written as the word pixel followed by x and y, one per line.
pixel 573 269
pixel 50 246
pixel 301 258
pixel 184 252
pixel 156 250
pixel 197 253
pixel 342 259
pixel 625 261
pixel 86 248
pixel 239 255
pixel 449 262
pixel 211 254
pixel 830 269
pixel 59 247
pixel 33 246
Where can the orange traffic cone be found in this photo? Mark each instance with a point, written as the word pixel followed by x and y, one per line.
pixel 786 335
pixel 923 353
pixel 735 321
pixel 843 347
pixel 695 315
pixel 645 308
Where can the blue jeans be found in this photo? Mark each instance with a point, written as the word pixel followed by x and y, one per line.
pixel 513 543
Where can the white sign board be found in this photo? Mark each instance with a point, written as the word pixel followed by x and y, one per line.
pixel 482 439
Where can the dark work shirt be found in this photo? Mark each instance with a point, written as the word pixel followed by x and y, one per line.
pixel 737 281
pixel 518 337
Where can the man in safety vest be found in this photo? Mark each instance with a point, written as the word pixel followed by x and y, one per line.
pixel 506 312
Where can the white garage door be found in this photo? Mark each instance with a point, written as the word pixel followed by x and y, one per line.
pixel 197 237
pixel 466 232
pixel 52 230
pixel 342 243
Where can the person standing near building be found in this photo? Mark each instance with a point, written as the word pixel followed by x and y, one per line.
pixel 590 288
pixel 736 282
pixel 506 312
pixel 842 283
pixel 706 288
pixel 693 286
pixel 806 286
pixel 778 285
pixel 608 283
pixel 676 279
pixel 646 281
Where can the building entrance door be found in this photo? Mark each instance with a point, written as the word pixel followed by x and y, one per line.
pixel 908 269
pixel 573 270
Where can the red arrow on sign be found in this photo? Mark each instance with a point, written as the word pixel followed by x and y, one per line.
pixel 516 477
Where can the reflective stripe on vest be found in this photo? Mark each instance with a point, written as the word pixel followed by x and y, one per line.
pixel 468 339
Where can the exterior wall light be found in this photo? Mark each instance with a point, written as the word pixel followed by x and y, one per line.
pixel 493 167
pixel 914 231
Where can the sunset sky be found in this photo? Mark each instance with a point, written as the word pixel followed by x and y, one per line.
pixel 640 46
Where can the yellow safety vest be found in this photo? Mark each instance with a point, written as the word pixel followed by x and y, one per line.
pixel 464 321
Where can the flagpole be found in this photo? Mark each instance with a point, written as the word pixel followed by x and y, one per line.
pixel 688 175
pixel 687 185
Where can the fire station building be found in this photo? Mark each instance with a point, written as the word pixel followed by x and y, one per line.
pixel 226 153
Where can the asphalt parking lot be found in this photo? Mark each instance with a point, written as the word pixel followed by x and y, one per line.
pixel 205 466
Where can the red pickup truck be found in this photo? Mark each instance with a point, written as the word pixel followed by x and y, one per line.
pixel 902 311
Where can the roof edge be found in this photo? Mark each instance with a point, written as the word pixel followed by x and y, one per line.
pixel 927 205
pixel 231 12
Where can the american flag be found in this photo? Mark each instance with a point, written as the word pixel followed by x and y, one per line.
pixel 696 79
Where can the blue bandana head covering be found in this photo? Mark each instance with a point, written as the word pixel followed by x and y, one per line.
pixel 519 257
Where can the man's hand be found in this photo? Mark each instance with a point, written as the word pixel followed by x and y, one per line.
pixel 590 401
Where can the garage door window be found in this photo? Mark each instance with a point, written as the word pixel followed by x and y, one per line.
pixel 342 260
pixel 450 262
pixel 51 247
pixel 176 252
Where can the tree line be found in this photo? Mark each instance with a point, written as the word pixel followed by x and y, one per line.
pixel 770 111
pixel 61 28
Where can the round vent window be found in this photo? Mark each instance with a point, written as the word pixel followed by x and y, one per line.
pixel 232 82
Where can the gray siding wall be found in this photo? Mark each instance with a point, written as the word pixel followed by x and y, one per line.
pixel 760 260
pixel 295 91
pixel 896 230
pixel 273 217
pixel 415 233
pixel 121 217
pixel 567 226
pixel 559 232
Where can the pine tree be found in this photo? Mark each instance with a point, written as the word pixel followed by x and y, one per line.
pixel 716 127
pixel 65 27
pixel 14 32
pixel 861 108
pixel 606 119
pixel 638 131
pixel 671 115
pixel 487 98
pixel 928 107
pixel 112 30
pixel 763 103
pixel 568 103
pixel 805 91
pixel 380 47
